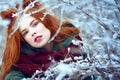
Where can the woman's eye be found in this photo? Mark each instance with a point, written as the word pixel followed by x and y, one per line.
pixel 25 33
pixel 35 24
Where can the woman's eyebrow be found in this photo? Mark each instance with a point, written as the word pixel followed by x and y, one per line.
pixel 30 25
pixel 23 30
pixel 32 22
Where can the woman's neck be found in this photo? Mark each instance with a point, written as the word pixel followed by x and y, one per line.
pixel 48 47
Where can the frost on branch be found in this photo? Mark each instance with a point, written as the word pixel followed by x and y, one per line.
pixel 99 23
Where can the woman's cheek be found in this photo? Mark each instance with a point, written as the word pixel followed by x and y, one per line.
pixel 28 39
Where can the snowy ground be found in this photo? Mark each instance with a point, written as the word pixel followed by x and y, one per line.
pixel 99 23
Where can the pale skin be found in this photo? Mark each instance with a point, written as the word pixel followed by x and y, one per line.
pixel 35 33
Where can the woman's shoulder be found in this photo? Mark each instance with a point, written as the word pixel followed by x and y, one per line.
pixel 67 42
pixel 14 74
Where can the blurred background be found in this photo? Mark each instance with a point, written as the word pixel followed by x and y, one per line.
pixel 98 21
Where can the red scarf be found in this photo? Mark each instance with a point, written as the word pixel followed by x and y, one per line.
pixel 29 63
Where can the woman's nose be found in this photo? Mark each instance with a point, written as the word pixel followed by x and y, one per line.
pixel 33 34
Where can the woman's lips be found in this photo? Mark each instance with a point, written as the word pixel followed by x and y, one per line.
pixel 38 39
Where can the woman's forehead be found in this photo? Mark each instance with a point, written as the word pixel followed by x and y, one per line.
pixel 26 21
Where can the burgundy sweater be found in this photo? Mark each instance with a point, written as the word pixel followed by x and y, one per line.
pixel 40 60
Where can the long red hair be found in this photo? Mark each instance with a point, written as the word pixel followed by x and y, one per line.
pixel 12 49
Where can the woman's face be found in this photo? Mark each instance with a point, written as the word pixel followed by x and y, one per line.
pixel 34 32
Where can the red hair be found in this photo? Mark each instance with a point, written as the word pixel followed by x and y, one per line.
pixel 52 24
pixel 12 49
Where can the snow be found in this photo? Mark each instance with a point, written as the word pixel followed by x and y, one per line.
pixel 98 21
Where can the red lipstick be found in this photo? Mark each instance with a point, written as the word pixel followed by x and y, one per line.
pixel 38 39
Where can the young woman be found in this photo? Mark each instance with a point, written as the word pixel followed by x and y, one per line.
pixel 28 50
